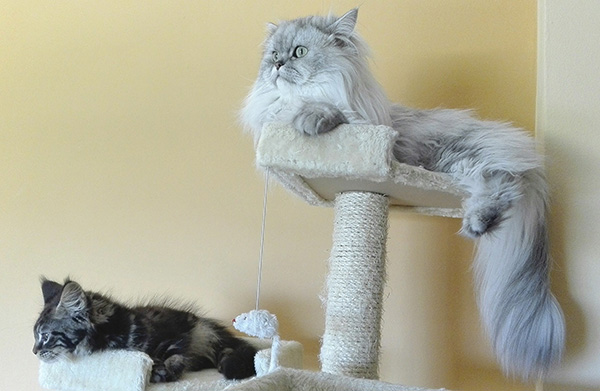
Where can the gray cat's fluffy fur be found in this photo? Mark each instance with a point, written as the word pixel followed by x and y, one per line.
pixel 315 75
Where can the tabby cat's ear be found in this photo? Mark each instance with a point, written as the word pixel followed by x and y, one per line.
pixel 50 289
pixel 72 298
pixel 346 23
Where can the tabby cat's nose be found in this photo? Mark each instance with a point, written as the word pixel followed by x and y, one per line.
pixel 278 65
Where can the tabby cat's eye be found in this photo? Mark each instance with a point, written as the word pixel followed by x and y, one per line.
pixel 300 51
pixel 45 337
pixel 275 55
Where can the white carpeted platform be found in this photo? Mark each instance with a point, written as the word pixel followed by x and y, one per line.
pixel 286 379
pixel 120 370
pixel 353 158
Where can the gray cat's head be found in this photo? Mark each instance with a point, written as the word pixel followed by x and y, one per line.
pixel 307 51
pixel 64 324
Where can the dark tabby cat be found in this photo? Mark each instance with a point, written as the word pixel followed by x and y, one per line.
pixel 78 322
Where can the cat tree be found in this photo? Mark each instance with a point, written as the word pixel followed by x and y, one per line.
pixel 352 169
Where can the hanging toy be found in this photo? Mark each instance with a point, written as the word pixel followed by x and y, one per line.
pixel 261 324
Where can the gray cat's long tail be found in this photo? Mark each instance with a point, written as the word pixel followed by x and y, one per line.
pixel 520 314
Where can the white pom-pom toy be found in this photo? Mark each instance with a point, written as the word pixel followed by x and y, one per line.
pixel 261 324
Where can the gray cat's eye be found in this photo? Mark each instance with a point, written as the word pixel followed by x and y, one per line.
pixel 275 55
pixel 300 51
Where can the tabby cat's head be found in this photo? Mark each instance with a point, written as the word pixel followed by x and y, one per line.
pixel 307 51
pixel 64 324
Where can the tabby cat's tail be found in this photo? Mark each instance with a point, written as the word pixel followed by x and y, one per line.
pixel 520 314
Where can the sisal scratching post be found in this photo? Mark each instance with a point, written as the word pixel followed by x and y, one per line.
pixel 355 286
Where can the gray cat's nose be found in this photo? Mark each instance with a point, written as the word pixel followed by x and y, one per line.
pixel 278 65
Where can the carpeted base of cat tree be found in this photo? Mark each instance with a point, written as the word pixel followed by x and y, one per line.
pixel 287 379
pixel 121 370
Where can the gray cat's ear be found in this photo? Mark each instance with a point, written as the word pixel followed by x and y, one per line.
pixel 346 23
pixel 271 27
pixel 72 298
pixel 50 289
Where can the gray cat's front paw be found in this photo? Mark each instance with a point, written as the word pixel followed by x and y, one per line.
pixel 318 118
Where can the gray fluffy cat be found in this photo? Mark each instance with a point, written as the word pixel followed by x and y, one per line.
pixel 315 75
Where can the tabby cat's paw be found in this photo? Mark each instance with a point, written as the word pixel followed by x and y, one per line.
pixel 319 118
pixel 159 374
pixel 169 370
pixel 238 364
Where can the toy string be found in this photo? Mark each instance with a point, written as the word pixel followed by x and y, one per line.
pixel 262 238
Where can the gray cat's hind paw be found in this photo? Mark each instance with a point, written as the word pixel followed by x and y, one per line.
pixel 481 221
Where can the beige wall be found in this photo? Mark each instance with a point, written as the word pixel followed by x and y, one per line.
pixel 568 122
pixel 123 166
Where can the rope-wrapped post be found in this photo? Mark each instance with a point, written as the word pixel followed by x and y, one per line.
pixel 353 306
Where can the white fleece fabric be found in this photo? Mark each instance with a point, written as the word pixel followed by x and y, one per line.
pixel 121 370
pixel 353 158
pixel 287 379
pixel 112 370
